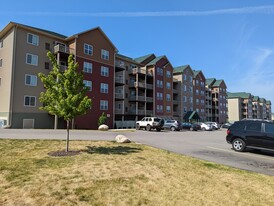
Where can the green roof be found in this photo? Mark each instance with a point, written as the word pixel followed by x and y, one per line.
pixel 210 81
pixel 195 73
pixel 217 83
pixel 242 95
pixel 154 61
pixel 126 58
pixel 180 69
pixel 256 98
pixel 268 102
pixel 142 58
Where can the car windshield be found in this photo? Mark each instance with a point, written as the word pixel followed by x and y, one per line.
pixel 157 120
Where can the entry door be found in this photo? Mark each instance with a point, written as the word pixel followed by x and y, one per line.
pixel 254 134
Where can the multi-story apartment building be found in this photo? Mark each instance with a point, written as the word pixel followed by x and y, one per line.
pixel 243 105
pixel 145 88
pixel 216 106
pixel 184 75
pixel 199 94
pixel 23 55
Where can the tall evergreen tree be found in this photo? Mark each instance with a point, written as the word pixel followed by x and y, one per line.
pixel 65 94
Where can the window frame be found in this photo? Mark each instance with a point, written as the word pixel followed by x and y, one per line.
pixel 32 56
pixel 104 88
pixel 33 80
pixel 86 69
pixel 33 43
pixel 30 97
pixel 88 50
pixel 104 71
pixel 105 54
pixel 85 82
pixel 104 105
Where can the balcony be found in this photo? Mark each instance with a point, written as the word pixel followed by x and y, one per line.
pixel 63 49
pixel 120 64
pixel 137 98
pixel 149 112
pixel 119 80
pixel 119 96
pixel 118 111
pixel 149 86
pixel 149 99
pixel 175 91
pixel 137 70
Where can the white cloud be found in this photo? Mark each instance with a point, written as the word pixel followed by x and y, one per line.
pixel 269 9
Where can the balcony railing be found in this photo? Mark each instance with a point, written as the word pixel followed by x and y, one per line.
pixel 149 99
pixel 119 95
pixel 137 70
pixel 63 49
pixel 119 80
pixel 118 111
pixel 137 98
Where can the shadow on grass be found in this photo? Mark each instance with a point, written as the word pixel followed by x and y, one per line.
pixel 119 150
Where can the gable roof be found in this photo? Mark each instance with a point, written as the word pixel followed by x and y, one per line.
pixel 142 58
pixel 210 81
pixel 43 31
pixel 126 58
pixel 181 69
pixel 93 29
pixel 198 72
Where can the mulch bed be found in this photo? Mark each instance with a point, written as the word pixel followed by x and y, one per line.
pixel 64 153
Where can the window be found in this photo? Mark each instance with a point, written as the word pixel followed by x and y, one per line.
pixel 185 99
pixel 105 54
pixel 104 71
pixel 159 83
pixel 88 49
pixel 47 46
pixel 168 85
pixel 103 105
pixel 0 82
pixel 168 74
pixel 184 76
pixel 32 59
pixel 30 80
pixel 29 101
pixel 46 65
pixel 197 91
pixel 269 128
pixel 185 109
pixel 168 97
pixel 104 88
pixel 185 89
pixel 168 110
pixel 160 71
pixel 254 126
pixel 88 84
pixel 197 101
pixel 1 43
pixel 1 62
pixel 197 81
pixel 190 79
pixel 33 39
pixel 87 67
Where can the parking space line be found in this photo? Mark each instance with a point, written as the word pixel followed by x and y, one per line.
pixel 246 154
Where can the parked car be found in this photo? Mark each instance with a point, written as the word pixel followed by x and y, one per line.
pixel 214 125
pixel 150 123
pixel 172 125
pixel 205 127
pixel 191 126
pixel 255 134
pixel 226 125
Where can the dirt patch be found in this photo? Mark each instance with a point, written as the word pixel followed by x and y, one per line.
pixel 64 153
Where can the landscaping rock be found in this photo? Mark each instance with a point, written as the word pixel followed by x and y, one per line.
pixel 103 127
pixel 122 139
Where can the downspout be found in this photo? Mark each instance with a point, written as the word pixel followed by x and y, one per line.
pixel 12 74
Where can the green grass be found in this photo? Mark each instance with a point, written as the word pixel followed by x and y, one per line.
pixel 107 173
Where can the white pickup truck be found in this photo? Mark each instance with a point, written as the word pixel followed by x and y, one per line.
pixel 150 123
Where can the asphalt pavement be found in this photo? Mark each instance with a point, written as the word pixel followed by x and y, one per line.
pixel 207 145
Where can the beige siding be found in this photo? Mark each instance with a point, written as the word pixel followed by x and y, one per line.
pixel 6 54
pixel 234 109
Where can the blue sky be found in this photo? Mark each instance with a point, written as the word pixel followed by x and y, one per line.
pixel 231 40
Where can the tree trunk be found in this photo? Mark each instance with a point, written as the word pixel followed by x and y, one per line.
pixel 67 148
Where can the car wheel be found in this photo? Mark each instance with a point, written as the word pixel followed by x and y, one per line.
pixel 191 129
pixel 148 127
pixel 238 145
pixel 158 129
pixel 172 128
pixel 138 127
pixel 203 129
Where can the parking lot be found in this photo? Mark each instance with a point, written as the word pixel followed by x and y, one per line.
pixel 207 145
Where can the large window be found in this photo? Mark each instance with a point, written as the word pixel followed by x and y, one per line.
pixel 168 109
pixel 168 85
pixel 88 84
pixel 87 67
pixel 168 97
pixel 104 88
pixel 168 74
pixel 32 59
pixel 30 80
pixel 103 105
pixel 105 54
pixel 29 101
pixel 88 49
pixel 33 39
pixel 104 71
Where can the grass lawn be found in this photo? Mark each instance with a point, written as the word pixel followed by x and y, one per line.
pixel 107 173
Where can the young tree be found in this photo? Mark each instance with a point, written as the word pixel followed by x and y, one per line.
pixel 65 94
pixel 102 119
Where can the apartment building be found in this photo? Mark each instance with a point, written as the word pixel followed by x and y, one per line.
pixel 216 103
pixel 145 88
pixel 199 94
pixel 184 75
pixel 244 105
pixel 23 55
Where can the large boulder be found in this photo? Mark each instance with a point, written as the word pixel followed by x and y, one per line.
pixel 122 139
pixel 103 127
